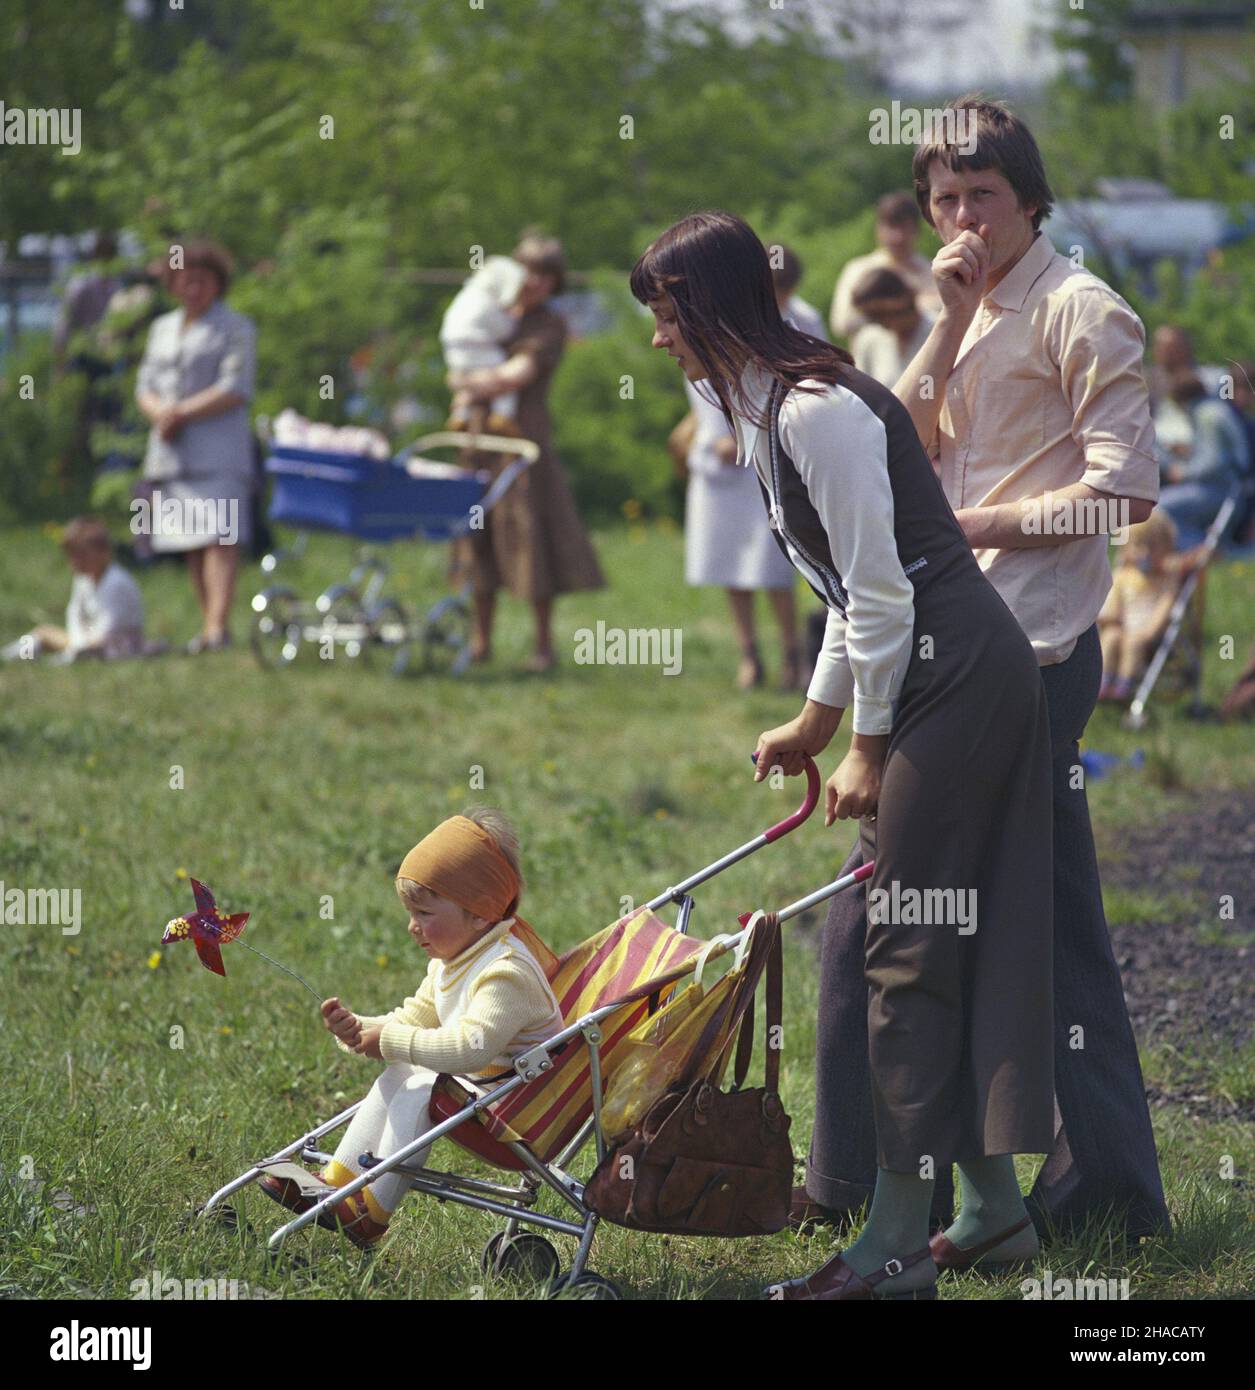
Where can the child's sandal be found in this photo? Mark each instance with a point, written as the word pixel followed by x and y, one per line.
pixel 356 1222
pixel 298 1194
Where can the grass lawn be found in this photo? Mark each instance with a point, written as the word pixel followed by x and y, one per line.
pixel 311 783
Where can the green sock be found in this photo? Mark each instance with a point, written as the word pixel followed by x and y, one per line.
pixel 897 1226
pixel 991 1200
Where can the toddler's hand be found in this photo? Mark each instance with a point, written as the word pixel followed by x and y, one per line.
pixel 341 1022
pixel 368 1044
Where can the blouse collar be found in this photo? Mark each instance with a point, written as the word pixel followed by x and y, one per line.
pixel 756 383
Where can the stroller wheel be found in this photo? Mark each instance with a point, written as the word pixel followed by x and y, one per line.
pixel 593 1288
pixel 224 1215
pixel 523 1256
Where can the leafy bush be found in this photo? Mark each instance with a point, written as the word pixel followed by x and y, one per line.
pixel 45 467
pixel 614 401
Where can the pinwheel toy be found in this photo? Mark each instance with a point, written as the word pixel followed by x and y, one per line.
pixel 209 930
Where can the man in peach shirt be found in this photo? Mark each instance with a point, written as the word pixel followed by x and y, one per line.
pixel 1030 398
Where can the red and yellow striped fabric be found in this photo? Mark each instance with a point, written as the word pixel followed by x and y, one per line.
pixel 630 960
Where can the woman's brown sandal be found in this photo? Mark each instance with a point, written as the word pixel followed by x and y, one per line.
pixel 949 1256
pixel 838 1282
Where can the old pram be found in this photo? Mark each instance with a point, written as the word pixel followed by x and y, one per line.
pixel 535 1122
pixel 409 497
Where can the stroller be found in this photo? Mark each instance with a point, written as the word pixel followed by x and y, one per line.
pixel 1179 654
pixel 535 1120
pixel 407 497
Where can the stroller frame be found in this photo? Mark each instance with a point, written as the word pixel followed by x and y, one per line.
pixel 1135 718
pixel 515 1202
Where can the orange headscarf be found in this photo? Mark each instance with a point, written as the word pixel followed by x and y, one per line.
pixel 461 861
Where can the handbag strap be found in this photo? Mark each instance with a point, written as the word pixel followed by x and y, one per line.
pixel 775 1006
pixel 765 952
pixel 727 1016
pixel 775 1011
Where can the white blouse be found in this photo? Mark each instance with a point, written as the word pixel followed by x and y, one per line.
pixel 839 448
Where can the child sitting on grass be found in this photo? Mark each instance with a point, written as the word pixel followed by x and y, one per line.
pixel 1143 590
pixel 105 615
pixel 484 1000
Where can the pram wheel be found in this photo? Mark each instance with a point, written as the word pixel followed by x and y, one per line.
pixel 343 619
pixel 523 1256
pixel 276 636
pixel 593 1288
pixel 390 628
pixel 446 636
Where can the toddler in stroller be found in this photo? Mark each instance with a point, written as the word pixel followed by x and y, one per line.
pixel 484 1000
pixel 1138 605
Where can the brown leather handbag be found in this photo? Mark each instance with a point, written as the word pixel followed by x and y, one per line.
pixel 707 1162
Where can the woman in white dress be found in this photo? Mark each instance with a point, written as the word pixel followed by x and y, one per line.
pixel 727 540
pixel 726 537
pixel 194 385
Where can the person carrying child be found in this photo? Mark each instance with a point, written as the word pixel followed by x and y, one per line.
pixel 484 1000
pixel 1135 614
pixel 481 319
pixel 105 614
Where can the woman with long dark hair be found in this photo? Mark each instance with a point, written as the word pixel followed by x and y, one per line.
pixel 948 769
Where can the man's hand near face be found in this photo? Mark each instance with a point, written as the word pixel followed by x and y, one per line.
pixel 961 270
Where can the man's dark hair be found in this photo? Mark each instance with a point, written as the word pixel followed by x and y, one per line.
pixel 1003 142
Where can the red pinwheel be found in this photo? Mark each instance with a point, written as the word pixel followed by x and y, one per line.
pixel 207 928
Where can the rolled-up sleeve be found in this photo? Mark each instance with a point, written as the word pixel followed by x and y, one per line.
pixel 833 681
pixel 1099 344
pixel 238 369
pixel 839 447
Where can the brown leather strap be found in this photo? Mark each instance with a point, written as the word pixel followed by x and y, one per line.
pixel 766 954
pixel 744 1047
pixel 892 1268
pixel 957 1258
pixel 729 1014
pixel 775 1003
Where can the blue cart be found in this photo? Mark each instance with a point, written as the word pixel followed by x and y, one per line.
pixel 409 497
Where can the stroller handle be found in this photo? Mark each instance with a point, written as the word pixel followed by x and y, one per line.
pixel 808 805
pixel 676 891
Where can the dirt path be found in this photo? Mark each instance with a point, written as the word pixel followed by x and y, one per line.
pixel 1182 988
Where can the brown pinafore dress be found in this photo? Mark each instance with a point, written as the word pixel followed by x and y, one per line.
pixel 533 542
pixel 960 1020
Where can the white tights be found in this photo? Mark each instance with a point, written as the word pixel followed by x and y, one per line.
pixel 393 1114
